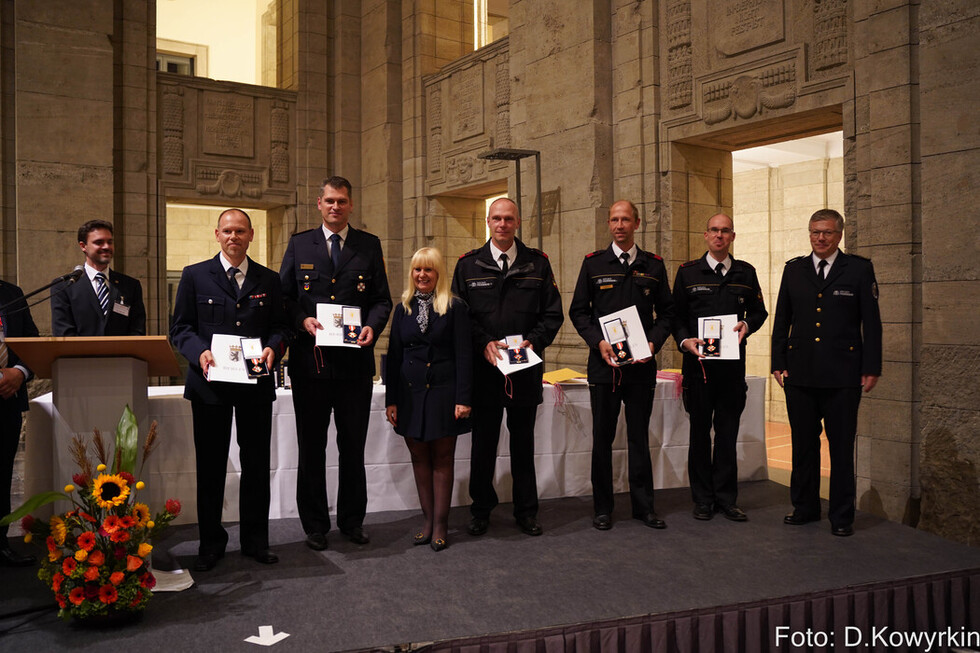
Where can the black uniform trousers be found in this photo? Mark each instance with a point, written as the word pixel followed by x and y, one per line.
pixel 838 408
pixel 719 402
pixel 483 459
pixel 350 402
pixel 212 438
pixel 605 399
pixel 10 422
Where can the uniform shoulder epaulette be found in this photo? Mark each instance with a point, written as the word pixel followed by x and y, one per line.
pixel 470 253
pixel 656 256
pixel 794 259
pixel 535 250
pixel 690 263
pixel 863 258
pixel 745 263
pixel 591 254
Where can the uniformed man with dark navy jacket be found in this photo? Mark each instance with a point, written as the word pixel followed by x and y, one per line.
pixel 714 390
pixel 510 290
pixel 611 279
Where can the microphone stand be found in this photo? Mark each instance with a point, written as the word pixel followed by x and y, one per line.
pixel 64 277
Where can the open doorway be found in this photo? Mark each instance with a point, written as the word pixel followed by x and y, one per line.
pixel 775 190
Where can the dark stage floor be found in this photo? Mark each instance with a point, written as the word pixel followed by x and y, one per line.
pixel 391 592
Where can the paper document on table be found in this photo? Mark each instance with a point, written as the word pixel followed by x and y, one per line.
pixel 341 325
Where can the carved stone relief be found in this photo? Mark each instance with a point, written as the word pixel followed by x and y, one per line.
pixel 680 83
pixel 746 96
pixel 502 101
pixel 228 183
pixel 830 33
pixel 464 168
pixel 435 130
pixel 279 142
pixel 738 26
pixel 466 90
pixel 172 121
pixel 228 124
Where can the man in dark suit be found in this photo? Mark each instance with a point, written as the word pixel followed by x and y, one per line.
pixel 510 290
pixel 230 295
pixel 826 348
pixel 333 264
pixel 17 322
pixel 714 390
pixel 104 302
pixel 611 279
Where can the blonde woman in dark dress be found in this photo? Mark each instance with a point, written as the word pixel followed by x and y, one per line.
pixel 428 382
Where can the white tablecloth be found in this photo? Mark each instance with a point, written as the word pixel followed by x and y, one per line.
pixel 563 445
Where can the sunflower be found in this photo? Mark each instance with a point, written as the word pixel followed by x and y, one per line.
pixel 141 512
pixel 110 490
pixel 58 530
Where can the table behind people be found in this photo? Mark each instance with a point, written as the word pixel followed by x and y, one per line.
pixel 103 302
pixel 333 264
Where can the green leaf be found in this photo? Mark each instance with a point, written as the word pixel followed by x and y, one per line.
pixel 33 504
pixel 127 436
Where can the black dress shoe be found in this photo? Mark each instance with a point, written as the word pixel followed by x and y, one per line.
pixel 529 526
pixel 265 556
pixel 439 544
pixel 602 522
pixel 703 511
pixel 732 512
pixel 478 526
pixel 421 538
pixel 316 541
pixel 652 520
pixel 842 531
pixel 207 561
pixel 357 535
pixel 10 558
pixel 798 518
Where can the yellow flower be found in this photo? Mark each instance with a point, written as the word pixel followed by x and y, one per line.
pixel 28 537
pixel 150 524
pixel 69 488
pixel 110 491
pixel 144 549
pixel 81 555
pixel 141 512
pixel 140 485
pixel 58 530
pixel 100 468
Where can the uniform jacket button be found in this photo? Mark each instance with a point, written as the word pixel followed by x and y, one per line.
pixel 816 339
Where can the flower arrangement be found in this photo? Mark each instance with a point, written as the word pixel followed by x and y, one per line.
pixel 97 552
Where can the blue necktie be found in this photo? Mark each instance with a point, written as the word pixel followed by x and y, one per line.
pixel 335 250
pixel 233 280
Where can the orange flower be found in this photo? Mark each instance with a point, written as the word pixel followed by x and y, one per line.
pixel 81 555
pixel 116 577
pixel 92 573
pixel 56 581
pixel 133 563
pixel 86 541
pixel 68 566
pixel 62 603
pixel 119 536
pixel 76 596
pixel 96 558
pixel 108 594
pixel 144 549
pixel 111 524
pixel 127 521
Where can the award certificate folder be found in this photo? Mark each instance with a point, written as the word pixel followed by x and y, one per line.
pixel 228 360
pixel 720 337
pixel 625 327
pixel 338 323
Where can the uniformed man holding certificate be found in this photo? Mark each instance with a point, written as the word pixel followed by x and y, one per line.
pixel 709 287
pixel 612 279
pixel 514 307
pixel 230 299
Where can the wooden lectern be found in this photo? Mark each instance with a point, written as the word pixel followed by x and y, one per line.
pixel 93 380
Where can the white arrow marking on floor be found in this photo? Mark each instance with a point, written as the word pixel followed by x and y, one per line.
pixel 265 637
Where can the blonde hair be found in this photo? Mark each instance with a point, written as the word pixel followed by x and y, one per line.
pixel 429 257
